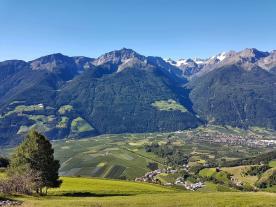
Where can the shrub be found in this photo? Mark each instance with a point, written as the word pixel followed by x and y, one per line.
pixel 268 179
pixel 21 183
pixel 257 170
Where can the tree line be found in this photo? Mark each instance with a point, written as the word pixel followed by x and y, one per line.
pixel 172 154
pixel 256 160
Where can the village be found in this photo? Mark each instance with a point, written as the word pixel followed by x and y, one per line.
pixel 230 139
pixel 152 177
pixel 238 140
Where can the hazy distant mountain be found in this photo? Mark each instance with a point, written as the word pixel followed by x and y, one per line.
pixel 188 67
pixel 247 59
pixel 191 67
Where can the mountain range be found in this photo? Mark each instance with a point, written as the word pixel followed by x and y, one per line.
pixel 125 92
pixel 247 59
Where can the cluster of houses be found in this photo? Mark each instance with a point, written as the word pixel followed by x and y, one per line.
pixel 251 140
pixel 193 186
pixel 233 139
pixel 10 203
pixel 236 181
pixel 189 186
pixel 269 142
pixel 150 177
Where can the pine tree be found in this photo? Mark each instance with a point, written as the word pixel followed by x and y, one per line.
pixel 36 154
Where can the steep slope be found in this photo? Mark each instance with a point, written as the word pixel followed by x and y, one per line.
pixel 63 66
pixel 28 93
pixel 121 91
pixel 234 95
pixel 123 102
pixel 269 62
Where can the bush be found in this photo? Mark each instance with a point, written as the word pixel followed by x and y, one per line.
pixel 257 170
pixel 267 179
pixel 196 168
pixel 23 184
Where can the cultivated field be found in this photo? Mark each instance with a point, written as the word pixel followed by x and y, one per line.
pixel 109 156
pixel 123 156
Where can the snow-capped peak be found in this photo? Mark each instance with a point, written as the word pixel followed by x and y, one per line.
pixel 199 61
pixel 179 62
pixel 182 62
pixel 170 61
pixel 220 56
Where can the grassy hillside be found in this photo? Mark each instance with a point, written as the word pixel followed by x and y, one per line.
pixel 101 187
pixel 161 200
pixel 272 163
pixel 238 173
pixel 87 192
pixel 2 174
pixel 108 193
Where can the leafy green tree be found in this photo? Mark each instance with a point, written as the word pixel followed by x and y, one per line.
pixel 36 154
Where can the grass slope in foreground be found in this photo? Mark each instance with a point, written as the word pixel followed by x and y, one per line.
pixel 105 187
pixel 85 192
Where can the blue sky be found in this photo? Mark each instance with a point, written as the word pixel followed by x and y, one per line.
pixel 166 28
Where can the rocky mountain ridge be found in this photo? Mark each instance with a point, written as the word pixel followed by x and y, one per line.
pixel 247 59
pixel 125 92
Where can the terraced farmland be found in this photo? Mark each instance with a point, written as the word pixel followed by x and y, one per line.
pixel 123 156
pixel 111 156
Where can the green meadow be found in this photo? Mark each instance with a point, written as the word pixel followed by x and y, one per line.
pixel 272 163
pixel 161 200
pixel 92 192
pixel 86 192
